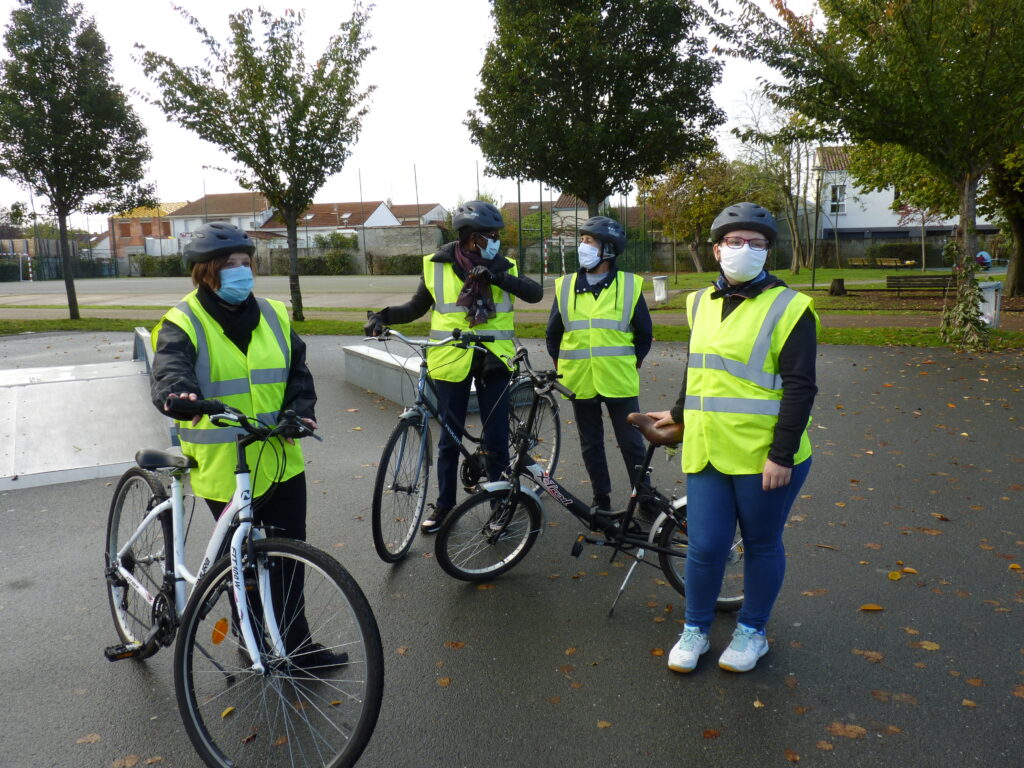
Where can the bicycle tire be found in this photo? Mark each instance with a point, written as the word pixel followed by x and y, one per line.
pixel 467 548
pixel 671 536
pixel 546 437
pixel 319 716
pixel 149 560
pixel 400 490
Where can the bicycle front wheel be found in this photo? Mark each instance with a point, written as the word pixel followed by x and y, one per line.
pixel 487 535
pixel 147 560
pixel 546 437
pixel 299 712
pixel 400 492
pixel 672 537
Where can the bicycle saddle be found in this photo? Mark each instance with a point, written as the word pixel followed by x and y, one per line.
pixel 151 458
pixel 672 435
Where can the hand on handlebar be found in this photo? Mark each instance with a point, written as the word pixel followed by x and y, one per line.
pixel 289 433
pixel 374 324
pixel 170 406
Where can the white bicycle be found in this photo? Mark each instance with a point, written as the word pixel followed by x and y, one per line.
pixel 278 657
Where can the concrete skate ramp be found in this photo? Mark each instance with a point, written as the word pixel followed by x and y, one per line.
pixel 76 422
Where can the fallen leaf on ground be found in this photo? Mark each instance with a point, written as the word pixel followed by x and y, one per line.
pixel 554 700
pixel 873 656
pixel 969 703
pixel 908 569
pixel 128 761
pixel 603 724
pixel 825 746
pixel 871 607
pixel 758 704
pixel 90 738
pixel 485 586
pixel 444 682
pixel 710 734
pixel 1018 691
pixel 977 682
pixel 657 651
pixel 847 731
pixel 895 575
pixel 454 644
pixel 792 756
pixel 402 650
pixel 815 592
pixel 926 645
pixel 227 712
pixel 153 760
pixel 827 546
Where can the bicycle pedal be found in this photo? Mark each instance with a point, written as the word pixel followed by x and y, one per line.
pixel 577 547
pixel 124 651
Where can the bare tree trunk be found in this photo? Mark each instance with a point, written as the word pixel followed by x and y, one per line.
pixel 694 248
pixel 65 258
pixel 594 206
pixel 968 217
pixel 293 268
pixel 1014 283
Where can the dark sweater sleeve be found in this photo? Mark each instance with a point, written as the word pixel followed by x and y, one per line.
pixel 643 330
pixel 525 288
pixel 799 388
pixel 555 330
pixel 299 392
pixel 415 308
pixel 174 367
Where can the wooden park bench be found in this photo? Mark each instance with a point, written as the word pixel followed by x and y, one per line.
pixel 858 262
pixel 918 282
pixel 888 263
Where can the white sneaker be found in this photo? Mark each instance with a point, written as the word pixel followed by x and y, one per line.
pixel 747 646
pixel 687 651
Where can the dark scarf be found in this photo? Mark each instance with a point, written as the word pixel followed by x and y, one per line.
pixel 238 321
pixel 475 295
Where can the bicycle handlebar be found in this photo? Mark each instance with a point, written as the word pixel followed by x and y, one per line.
pixel 459 338
pixel 288 424
pixel 542 378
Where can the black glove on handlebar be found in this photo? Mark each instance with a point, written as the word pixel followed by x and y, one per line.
pixel 374 324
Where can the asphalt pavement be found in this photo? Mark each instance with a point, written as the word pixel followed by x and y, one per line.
pixel 917 473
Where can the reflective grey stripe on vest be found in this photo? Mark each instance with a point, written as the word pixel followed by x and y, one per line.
pixel 732 405
pixel 211 389
pixel 275 325
pixel 504 303
pixel 498 335
pixel 753 371
pixel 623 324
pixel 696 302
pixel 220 435
pixel 583 354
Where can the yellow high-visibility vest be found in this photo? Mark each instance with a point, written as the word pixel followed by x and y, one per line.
pixel 452 363
pixel 733 386
pixel 253 382
pixel 596 355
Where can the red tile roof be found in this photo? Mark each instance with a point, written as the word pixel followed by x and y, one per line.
pixel 330 215
pixel 233 203
pixel 833 158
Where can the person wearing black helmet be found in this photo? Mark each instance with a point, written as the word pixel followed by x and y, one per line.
pixel 743 412
pixel 222 342
pixel 598 334
pixel 471 286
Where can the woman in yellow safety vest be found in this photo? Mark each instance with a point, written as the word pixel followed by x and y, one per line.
pixel 598 334
pixel 223 343
pixel 743 411
pixel 470 287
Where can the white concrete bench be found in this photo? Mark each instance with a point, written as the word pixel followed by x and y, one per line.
pixel 383 370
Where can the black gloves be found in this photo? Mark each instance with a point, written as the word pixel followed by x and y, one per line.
pixel 485 275
pixel 374 324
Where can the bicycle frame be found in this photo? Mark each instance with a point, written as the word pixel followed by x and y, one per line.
pixel 240 506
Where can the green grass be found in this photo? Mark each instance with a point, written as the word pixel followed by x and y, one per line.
pixel 875 337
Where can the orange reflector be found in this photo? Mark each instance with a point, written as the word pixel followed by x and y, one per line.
pixel 220 631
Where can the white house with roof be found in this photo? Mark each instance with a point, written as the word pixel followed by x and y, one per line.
pixel 246 210
pixel 326 218
pixel 413 214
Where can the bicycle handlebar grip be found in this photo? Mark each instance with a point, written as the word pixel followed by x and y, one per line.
pixel 562 389
pixel 471 338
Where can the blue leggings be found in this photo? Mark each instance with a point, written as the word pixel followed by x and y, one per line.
pixel 715 504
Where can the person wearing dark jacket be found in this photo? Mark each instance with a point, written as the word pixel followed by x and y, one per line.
pixel 743 412
pixel 221 342
pixel 469 286
pixel 598 334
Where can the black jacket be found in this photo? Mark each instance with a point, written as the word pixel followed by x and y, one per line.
pixel 796 367
pixel 174 363
pixel 643 327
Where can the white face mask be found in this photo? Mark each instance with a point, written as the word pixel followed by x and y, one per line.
pixel 590 255
pixel 741 264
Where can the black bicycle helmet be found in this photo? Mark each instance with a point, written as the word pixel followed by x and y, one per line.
pixel 477 216
pixel 217 238
pixel 606 231
pixel 744 216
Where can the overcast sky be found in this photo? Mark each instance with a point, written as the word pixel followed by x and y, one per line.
pixel 425 66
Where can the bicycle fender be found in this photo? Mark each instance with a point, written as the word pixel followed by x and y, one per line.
pixel 409 414
pixel 660 519
pixel 504 485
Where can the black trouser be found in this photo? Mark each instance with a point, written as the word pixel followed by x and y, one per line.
pixel 282 509
pixel 590 423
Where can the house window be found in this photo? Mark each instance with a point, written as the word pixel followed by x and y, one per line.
pixel 147 229
pixel 124 230
pixel 837 202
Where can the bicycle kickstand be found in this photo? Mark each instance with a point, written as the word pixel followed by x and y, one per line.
pixel 636 561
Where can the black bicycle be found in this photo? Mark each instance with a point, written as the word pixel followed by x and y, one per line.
pixel 490 532
pixel 403 475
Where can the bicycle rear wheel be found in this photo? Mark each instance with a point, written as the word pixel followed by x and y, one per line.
pixel 297 713
pixel 730 598
pixel 148 559
pixel 546 437
pixel 400 491
pixel 487 535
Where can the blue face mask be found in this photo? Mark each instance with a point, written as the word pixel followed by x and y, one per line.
pixel 491 249
pixel 235 284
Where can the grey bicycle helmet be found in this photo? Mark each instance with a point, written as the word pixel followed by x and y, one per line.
pixel 477 216
pixel 606 231
pixel 744 216
pixel 217 238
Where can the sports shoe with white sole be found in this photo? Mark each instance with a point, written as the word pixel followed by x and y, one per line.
pixel 747 646
pixel 685 654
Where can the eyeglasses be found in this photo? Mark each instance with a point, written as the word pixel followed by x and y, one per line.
pixel 756 243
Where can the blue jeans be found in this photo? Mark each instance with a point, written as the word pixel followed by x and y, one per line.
pixel 716 503
pixel 453 400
